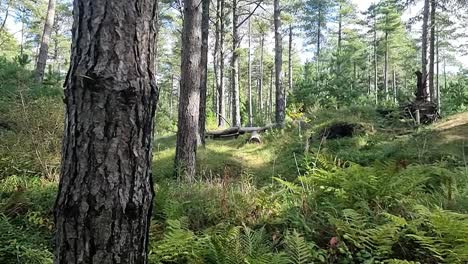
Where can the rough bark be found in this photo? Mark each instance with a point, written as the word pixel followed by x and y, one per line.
pixel 290 69
pixel 221 89
pixel 270 101
pixel 205 26
pixel 432 52
pixel 189 101
pixel 386 67
pixel 103 208
pixel 260 81
pixel 280 105
pixel 215 56
pixel 376 81
pixel 250 73
pixel 44 49
pixel 235 91
pixel 394 86
pixel 425 30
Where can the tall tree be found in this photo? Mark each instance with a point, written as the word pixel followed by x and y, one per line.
pixel 103 208
pixel 44 49
pixel 220 86
pixel 249 77
pixel 425 31
pixel 205 27
pixel 262 28
pixel 280 105
pixel 432 51
pixel 236 41
pixel 316 17
pixel 189 101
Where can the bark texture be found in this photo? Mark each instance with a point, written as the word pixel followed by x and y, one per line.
pixel 221 89
pixel 235 91
pixel 44 49
pixel 432 53
pixel 261 73
pixel 425 31
pixel 189 101
pixel 280 105
pixel 205 26
pixel 103 209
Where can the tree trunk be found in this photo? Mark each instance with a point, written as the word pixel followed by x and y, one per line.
pixel 432 52
pixel 386 67
pixel 235 104
pixel 280 111
pixel 376 81
pixel 270 101
pixel 394 86
pixel 319 32
pixel 260 81
pixel 340 37
pixel 189 101
pixel 221 90
pixel 438 75
pixel 205 26
pixel 290 69
pixel 425 30
pixel 215 58
pixel 250 74
pixel 103 208
pixel 7 13
pixel 44 49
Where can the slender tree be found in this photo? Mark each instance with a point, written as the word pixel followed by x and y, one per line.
pixel 425 30
pixel 189 101
pixel 249 70
pixel 103 208
pixel 205 26
pixel 432 52
pixel 280 104
pixel 44 49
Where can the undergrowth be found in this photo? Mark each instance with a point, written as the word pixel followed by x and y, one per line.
pixel 392 194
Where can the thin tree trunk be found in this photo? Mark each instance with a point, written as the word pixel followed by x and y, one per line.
pixel 205 26
pixel 260 81
pixel 386 67
pixel 235 104
pixel 7 13
pixel 270 101
pixel 290 69
pixel 104 204
pixel 280 106
pixel 319 32
pixel 432 52
pixel 171 98
pixel 221 89
pixel 437 74
pixel 215 57
pixel 395 89
pixel 189 101
pixel 340 37
pixel 250 74
pixel 376 81
pixel 44 49
pixel 425 30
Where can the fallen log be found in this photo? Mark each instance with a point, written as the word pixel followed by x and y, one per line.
pixel 236 131
pixel 255 138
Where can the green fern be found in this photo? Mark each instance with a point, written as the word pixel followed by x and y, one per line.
pixel 297 250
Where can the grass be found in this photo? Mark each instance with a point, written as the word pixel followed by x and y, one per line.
pixel 237 185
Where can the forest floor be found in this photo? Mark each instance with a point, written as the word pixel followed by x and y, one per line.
pixel 279 155
pixel 254 185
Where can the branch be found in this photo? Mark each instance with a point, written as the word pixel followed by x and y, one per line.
pixel 245 19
